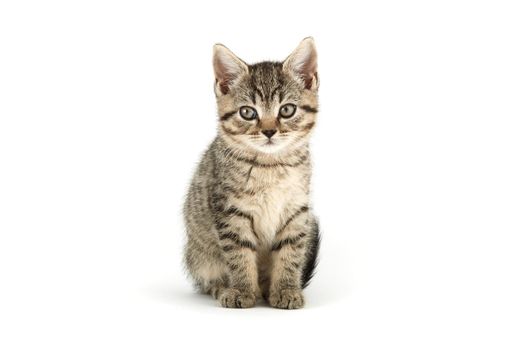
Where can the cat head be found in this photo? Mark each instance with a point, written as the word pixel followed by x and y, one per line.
pixel 267 107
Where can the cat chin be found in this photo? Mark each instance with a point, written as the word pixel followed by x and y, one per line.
pixel 274 148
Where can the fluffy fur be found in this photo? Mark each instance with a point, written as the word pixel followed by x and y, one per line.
pixel 250 228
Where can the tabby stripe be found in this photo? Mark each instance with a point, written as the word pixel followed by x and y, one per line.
pixel 299 162
pixel 309 109
pixel 253 162
pixel 259 93
pixel 290 270
pixel 235 238
pixel 252 97
pixel 287 241
pixel 232 211
pixel 309 126
pixel 221 225
pixel 232 266
pixel 274 92
pixel 229 235
pixel 227 115
pixel 230 131
pixel 236 212
pixel 253 229
pixel 242 244
pixel 291 218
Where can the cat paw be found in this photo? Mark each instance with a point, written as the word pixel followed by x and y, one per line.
pixel 287 299
pixel 234 298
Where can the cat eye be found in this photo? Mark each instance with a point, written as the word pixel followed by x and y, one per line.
pixel 287 111
pixel 248 113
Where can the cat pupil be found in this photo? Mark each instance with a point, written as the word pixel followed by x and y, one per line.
pixel 287 110
pixel 247 112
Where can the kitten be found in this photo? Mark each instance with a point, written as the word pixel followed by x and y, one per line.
pixel 250 229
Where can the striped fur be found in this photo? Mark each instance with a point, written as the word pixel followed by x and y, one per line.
pixel 250 229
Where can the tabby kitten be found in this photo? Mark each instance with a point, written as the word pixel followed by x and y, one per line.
pixel 250 229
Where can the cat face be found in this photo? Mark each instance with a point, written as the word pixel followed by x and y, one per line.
pixel 268 107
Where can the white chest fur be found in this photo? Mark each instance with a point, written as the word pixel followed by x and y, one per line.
pixel 277 193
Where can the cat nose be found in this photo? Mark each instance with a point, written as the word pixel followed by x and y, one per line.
pixel 269 133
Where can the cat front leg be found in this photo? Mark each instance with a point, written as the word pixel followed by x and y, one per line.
pixel 238 245
pixel 289 256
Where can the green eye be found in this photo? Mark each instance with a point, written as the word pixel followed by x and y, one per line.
pixel 248 113
pixel 288 110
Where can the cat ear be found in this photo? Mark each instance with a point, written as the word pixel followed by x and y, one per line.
pixel 302 63
pixel 227 68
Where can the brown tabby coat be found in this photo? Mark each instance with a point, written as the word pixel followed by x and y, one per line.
pixel 250 229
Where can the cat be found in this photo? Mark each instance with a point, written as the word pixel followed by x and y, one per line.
pixel 250 228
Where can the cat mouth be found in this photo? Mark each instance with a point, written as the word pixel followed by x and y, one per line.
pixel 271 144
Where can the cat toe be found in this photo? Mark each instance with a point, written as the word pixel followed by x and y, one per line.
pixel 234 298
pixel 287 299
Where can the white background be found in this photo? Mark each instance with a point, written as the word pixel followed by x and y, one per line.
pixel 106 107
